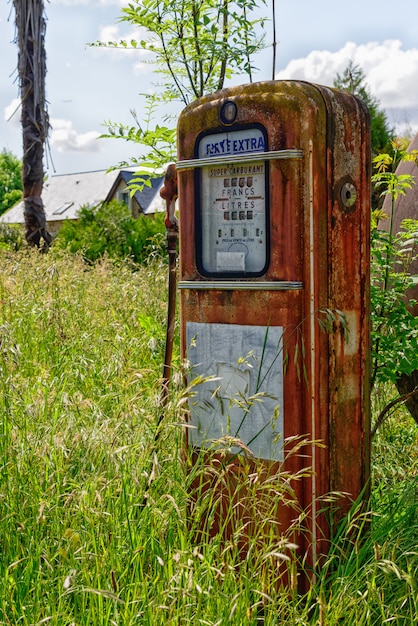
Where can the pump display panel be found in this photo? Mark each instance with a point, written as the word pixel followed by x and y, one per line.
pixel 232 204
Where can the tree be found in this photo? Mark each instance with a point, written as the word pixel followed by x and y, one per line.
pixel 196 46
pixel 394 331
pixel 10 180
pixel 353 81
pixel 31 28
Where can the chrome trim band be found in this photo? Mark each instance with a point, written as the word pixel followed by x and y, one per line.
pixel 243 158
pixel 241 285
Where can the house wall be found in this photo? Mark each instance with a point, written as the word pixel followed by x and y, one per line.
pixel 54 226
pixel 122 189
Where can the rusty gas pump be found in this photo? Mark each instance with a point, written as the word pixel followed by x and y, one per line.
pixel 274 271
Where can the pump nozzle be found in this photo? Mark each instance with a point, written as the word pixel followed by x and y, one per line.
pixel 169 193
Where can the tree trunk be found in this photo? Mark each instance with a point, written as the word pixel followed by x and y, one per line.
pixel 31 28
pixel 407 384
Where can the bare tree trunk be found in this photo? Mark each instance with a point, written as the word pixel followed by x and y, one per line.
pixel 31 28
pixel 407 385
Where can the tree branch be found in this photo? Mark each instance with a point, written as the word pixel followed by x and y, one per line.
pixel 383 415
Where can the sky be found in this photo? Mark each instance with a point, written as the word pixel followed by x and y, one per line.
pixel 87 86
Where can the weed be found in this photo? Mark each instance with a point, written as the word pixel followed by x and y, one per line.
pixel 80 385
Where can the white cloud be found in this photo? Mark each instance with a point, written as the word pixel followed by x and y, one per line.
pixel 394 77
pixel 12 112
pixel 64 138
pixel 391 75
pixel 113 33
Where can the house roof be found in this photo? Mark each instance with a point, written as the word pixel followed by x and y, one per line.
pixel 64 195
pixel 149 198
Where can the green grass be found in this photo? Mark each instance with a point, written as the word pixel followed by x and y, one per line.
pixel 81 349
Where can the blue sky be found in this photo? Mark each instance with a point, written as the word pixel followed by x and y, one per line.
pixel 86 86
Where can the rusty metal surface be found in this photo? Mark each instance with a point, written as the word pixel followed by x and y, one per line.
pixel 314 239
pixel 349 278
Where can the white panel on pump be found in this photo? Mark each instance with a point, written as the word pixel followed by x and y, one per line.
pixel 242 395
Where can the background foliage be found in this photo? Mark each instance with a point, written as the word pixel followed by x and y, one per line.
pixel 80 368
pixel 195 47
pixel 109 229
pixel 394 329
pixel 353 80
pixel 10 180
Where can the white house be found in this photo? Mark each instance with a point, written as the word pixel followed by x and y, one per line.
pixel 64 195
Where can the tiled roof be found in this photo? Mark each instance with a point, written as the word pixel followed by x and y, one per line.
pixel 63 195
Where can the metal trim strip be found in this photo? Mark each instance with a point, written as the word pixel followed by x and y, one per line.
pixel 241 285
pixel 228 159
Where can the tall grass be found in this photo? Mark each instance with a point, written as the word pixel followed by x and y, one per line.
pixel 81 351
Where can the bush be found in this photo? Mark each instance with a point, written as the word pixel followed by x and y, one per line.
pixel 11 237
pixel 110 229
pixel 10 180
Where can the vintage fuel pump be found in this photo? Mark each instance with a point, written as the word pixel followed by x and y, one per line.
pixel 274 270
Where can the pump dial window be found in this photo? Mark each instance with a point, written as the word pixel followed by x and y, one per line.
pixel 233 205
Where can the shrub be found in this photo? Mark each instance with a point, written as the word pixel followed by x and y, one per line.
pixel 11 237
pixel 110 229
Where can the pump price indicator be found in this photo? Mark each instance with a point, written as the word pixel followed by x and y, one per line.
pixel 233 205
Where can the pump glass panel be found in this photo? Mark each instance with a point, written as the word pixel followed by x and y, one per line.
pixel 223 405
pixel 233 220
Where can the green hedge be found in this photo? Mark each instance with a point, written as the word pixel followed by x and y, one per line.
pixel 110 229
pixel 11 237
